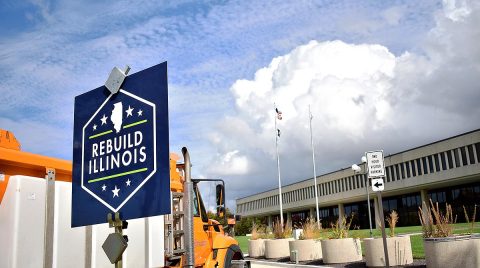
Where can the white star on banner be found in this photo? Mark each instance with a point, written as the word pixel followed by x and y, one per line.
pixel 103 119
pixel 94 127
pixel 129 111
pixel 115 191
pixel 128 182
pixel 140 112
pixel 104 188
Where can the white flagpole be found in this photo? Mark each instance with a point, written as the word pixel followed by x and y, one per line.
pixel 314 170
pixel 278 168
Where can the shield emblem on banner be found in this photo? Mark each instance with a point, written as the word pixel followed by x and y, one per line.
pixel 117 153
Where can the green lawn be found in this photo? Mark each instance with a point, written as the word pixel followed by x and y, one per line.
pixel 243 243
pixel 417 246
pixel 415 239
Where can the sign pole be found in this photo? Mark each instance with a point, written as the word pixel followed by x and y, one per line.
pixel 116 242
pixel 49 218
pixel 118 230
pixel 382 222
pixel 376 171
pixel 368 203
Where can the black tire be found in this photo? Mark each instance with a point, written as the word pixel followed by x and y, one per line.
pixel 233 253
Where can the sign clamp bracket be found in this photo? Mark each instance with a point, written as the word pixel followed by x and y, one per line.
pixel 116 243
pixel 116 78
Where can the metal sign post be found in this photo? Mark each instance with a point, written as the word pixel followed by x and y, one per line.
pixel 49 218
pixel 376 171
pixel 368 204
pixel 384 236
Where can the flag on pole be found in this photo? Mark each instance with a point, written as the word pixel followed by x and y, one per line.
pixel 278 132
pixel 279 114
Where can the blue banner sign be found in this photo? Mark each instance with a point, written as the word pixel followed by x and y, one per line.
pixel 120 150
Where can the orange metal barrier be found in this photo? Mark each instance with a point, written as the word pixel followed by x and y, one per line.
pixel 14 162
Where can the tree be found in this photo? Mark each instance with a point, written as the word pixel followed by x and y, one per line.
pixel 244 226
pixel 213 215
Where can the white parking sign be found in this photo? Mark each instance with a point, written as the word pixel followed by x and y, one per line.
pixel 376 167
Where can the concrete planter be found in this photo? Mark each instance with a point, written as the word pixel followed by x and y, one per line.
pixel 256 248
pixel 307 250
pixel 399 251
pixel 475 238
pixel 457 251
pixel 341 250
pixel 277 248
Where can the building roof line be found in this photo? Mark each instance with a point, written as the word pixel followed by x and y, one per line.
pixel 390 155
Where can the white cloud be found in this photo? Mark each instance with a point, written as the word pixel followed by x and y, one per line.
pixel 346 85
pixel 363 97
pixel 230 163
pixel 456 9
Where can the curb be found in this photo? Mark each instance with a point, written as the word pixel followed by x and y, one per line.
pixel 276 264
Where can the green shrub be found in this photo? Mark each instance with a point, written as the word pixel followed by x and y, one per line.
pixel 244 226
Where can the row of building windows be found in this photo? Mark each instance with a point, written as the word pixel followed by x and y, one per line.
pixel 458 157
pixel 462 198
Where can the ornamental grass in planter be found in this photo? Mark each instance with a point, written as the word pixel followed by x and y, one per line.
pixel 470 221
pixel 399 247
pixel 278 247
pixel 351 249
pixel 308 247
pixel 256 244
pixel 442 248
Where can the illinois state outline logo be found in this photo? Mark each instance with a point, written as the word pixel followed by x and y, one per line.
pixel 117 153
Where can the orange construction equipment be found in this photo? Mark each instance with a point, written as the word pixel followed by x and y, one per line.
pixel 15 162
pixel 212 246
pixel 8 140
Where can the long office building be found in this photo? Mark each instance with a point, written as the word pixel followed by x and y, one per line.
pixel 446 171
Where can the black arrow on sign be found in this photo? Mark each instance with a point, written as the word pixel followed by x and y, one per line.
pixel 377 184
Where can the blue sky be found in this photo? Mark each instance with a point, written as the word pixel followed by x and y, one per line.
pixel 52 51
